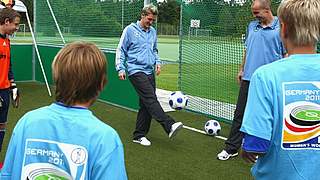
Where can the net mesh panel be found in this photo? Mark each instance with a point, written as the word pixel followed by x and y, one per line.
pixel 212 53
pixel 89 20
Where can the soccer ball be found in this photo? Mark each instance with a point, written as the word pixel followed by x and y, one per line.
pixel 178 100
pixel 212 127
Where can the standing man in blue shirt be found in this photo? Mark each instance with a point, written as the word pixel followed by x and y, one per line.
pixel 262 46
pixel 137 53
pixel 281 122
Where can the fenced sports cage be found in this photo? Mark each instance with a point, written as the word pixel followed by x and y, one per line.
pixel 101 22
pixel 204 52
pixel 211 47
pixel 97 21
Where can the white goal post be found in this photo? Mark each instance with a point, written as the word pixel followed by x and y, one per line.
pixel 22 28
pixel 200 32
pixel 196 31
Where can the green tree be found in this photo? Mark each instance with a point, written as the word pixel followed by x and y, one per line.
pixel 169 12
pixel 227 21
pixel 243 17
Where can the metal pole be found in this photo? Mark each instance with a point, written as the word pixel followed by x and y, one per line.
pixel 56 23
pixel 180 46
pixel 35 34
pixel 38 54
pixel 122 15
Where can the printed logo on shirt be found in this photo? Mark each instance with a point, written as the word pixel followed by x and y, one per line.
pixel 45 159
pixel 136 34
pixel 2 56
pixel 301 123
pixel 4 43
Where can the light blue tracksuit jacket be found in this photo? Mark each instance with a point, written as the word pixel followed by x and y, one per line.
pixel 137 50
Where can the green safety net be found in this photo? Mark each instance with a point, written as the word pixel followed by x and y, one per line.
pixel 100 22
pixel 211 51
pixel 203 62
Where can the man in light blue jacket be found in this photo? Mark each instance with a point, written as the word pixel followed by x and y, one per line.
pixel 137 53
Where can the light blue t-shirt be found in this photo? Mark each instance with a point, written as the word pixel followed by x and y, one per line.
pixel 283 107
pixel 137 50
pixel 66 143
pixel 263 46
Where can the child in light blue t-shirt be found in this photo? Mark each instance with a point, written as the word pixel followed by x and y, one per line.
pixel 65 140
pixel 281 123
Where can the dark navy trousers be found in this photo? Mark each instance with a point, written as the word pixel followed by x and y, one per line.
pixel 234 141
pixel 4 108
pixel 150 107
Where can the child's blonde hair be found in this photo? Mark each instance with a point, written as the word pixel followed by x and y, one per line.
pixel 302 18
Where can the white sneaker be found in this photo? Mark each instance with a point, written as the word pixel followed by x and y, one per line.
pixel 224 155
pixel 143 141
pixel 175 128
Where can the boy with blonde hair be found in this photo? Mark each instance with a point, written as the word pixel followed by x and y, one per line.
pixel 65 140
pixel 281 121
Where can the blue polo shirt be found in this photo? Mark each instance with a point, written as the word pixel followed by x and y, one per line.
pixel 137 50
pixel 263 45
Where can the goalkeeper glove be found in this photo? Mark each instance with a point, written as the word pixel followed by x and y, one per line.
pixel 15 97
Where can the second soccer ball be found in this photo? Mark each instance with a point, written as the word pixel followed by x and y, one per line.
pixel 212 127
pixel 177 100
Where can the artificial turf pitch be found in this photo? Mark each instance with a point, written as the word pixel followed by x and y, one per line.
pixel 189 155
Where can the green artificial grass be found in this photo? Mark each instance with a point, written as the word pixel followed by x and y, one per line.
pixel 189 155
pixel 168 78
pixel 213 82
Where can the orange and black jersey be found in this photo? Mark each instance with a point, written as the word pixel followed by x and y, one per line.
pixel 5 65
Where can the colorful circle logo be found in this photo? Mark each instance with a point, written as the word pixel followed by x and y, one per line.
pixel 307 115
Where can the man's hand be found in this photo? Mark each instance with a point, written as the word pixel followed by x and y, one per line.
pixel 249 156
pixel 239 76
pixel 15 97
pixel 158 69
pixel 122 75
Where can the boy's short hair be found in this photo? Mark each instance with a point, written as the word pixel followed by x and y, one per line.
pixel 8 13
pixel 302 18
pixel 149 9
pixel 79 73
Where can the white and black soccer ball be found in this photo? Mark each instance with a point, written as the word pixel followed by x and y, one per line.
pixel 178 100
pixel 212 127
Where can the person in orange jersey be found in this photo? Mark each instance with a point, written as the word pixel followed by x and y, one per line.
pixel 9 23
